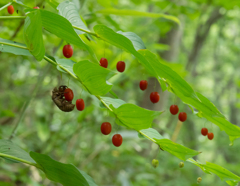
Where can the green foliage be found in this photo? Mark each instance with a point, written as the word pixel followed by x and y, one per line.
pixel 33 34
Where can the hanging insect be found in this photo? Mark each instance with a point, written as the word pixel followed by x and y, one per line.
pixel 59 99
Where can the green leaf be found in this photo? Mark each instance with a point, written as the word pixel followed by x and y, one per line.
pixel 8 148
pixel 150 133
pixel 199 165
pixel 134 116
pixel 222 173
pixel 65 63
pixel 13 47
pixel 94 77
pixel 114 102
pixel 177 150
pixel 135 39
pixel 113 11
pixel 33 34
pixel 66 174
pixel 69 11
pixel 89 179
pixel 61 27
pixel 20 3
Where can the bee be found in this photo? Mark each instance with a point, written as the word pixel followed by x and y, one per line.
pixel 60 101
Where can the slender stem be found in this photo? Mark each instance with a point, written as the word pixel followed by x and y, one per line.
pixel 14 45
pixel 19 159
pixel 12 17
pixel 85 31
pixel 5 6
pixel 147 136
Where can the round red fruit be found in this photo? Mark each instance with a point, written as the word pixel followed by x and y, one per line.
pixel 10 9
pixel 121 66
pixel 106 128
pixel 154 97
pixel 36 7
pixel 68 94
pixel 67 51
pixel 204 131
pixel 174 109
pixel 104 62
pixel 210 135
pixel 80 104
pixel 117 140
pixel 182 116
pixel 143 84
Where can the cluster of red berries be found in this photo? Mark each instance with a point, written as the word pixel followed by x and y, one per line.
pixel 204 132
pixel 154 96
pixel 11 9
pixel 106 129
pixel 120 65
pixel 182 116
pixel 68 94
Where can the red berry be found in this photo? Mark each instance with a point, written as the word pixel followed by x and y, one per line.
pixel 120 66
pixel 106 128
pixel 68 94
pixel 154 97
pixel 174 109
pixel 182 116
pixel 104 62
pixel 10 9
pixel 210 135
pixel 143 84
pixel 117 140
pixel 204 131
pixel 36 7
pixel 67 51
pixel 80 104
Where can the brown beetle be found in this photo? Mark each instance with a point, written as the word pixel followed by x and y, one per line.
pixel 59 100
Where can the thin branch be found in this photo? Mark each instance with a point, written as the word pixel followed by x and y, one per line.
pixel 12 17
pixel 94 34
pixel 5 6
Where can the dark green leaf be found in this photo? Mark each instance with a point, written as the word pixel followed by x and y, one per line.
pixel 135 117
pixel 66 174
pixel 33 34
pixel 13 47
pixel 135 39
pixel 89 179
pixel 177 150
pixel 7 147
pixel 69 11
pixel 94 77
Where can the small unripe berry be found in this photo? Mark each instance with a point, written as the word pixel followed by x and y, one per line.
pixel 10 9
pixel 106 128
pixel 68 94
pixel 143 84
pixel 121 66
pixel 104 62
pixel 204 131
pixel 155 163
pixel 210 135
pixel 154 97
pixel 181 164
pixel 174 109
pixel 182 116
pixel 117 140
pixel 80 104
pixel 67 51
pixel 199 179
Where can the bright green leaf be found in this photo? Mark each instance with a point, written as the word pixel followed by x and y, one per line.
pixel 33 34
pixel 135 117
pixel 175 149
pixel 8 148
pixel 69 11
pixel 138 13
pixel 94 77
pixel 67 64
pixel 66 174
pixel 13 47
pixel 135 39
pixel 151 133
pixel 114 102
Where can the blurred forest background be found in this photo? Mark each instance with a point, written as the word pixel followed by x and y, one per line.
pixel 205 50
